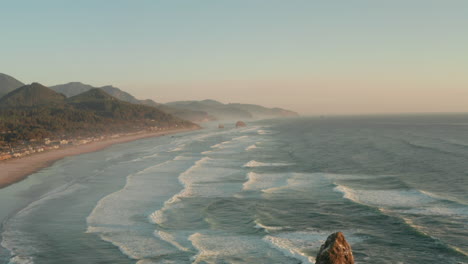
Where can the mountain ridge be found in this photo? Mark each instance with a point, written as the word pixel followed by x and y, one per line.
pixel 34 112
pixel 192 110
pixel 31 95
pixel 8 84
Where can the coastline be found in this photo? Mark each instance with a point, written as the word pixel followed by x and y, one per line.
pixel 15 170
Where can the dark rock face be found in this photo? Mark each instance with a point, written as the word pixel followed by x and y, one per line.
pixel 335 251
pixel 240 124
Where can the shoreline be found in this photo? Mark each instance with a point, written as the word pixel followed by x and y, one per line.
pixel 18 169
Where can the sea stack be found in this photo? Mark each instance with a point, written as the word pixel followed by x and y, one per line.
pixel 240 124
pixel 335 251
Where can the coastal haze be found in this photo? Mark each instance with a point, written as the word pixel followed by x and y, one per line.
pixel 308 56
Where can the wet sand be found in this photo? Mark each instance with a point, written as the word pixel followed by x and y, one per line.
pixel 15 170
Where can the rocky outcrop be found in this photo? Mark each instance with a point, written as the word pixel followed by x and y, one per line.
pixel 240 124
pixel 335 251
pixel 220 126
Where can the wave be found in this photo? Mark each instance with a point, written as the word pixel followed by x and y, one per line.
pixel 116 217
pixel 178 148
pixel 239 138
pixel 258 182
pixel 267 229
pixel 411 201
pixel 264 132
pixel 414 207
pixel 224 143
pixel 254 146
pixel 220 145
pixel 425 231
pixel 385 198
pixel 136 245
pixel 21 245
pixel 182 158
pixel 21 260
pixel 158 217
pixel 230 248
pixel 253 164
pixel 296 244
pixel 168 237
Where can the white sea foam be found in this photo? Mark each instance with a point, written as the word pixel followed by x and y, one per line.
pixel 253 164
pixel 427 232
pixel 21 260
pixel 182 158
pixel 294 244
pixel 264 132
pixel 168 237
pixel 178 148
pixel 214 248
pixel 220 145
pixel 444 197
pixel 385 198
pixel 257 182
pixel 203 179
pixel 268 229
pixel 405 204
pixel 438 210
pixel 119 207
pixel 224 144
pixel 240 138
pixel 136 245
pixel 117 217
pixel 251 147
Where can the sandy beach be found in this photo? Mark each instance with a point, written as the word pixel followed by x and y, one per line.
pixel 14 170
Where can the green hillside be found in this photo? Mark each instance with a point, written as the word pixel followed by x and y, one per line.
pixel 31 95
pixel 34 112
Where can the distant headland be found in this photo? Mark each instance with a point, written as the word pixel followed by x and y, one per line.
pixel 36 119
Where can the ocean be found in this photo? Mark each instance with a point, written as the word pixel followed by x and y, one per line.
pixel 396 186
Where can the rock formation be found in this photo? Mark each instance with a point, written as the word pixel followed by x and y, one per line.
pixel 240 124
pixel 220 126
pixel 335 251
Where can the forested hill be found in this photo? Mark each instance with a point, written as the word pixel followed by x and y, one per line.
pixel 31 95
pixel 74 88
pixel 35 112
pixel 8 84
pixel 195 111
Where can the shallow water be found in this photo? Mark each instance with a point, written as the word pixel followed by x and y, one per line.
pixel 269 193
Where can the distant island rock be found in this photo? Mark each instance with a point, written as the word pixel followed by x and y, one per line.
pixel 335 250
pixel 240 124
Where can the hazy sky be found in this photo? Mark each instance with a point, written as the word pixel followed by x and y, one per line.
pixel 316 57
